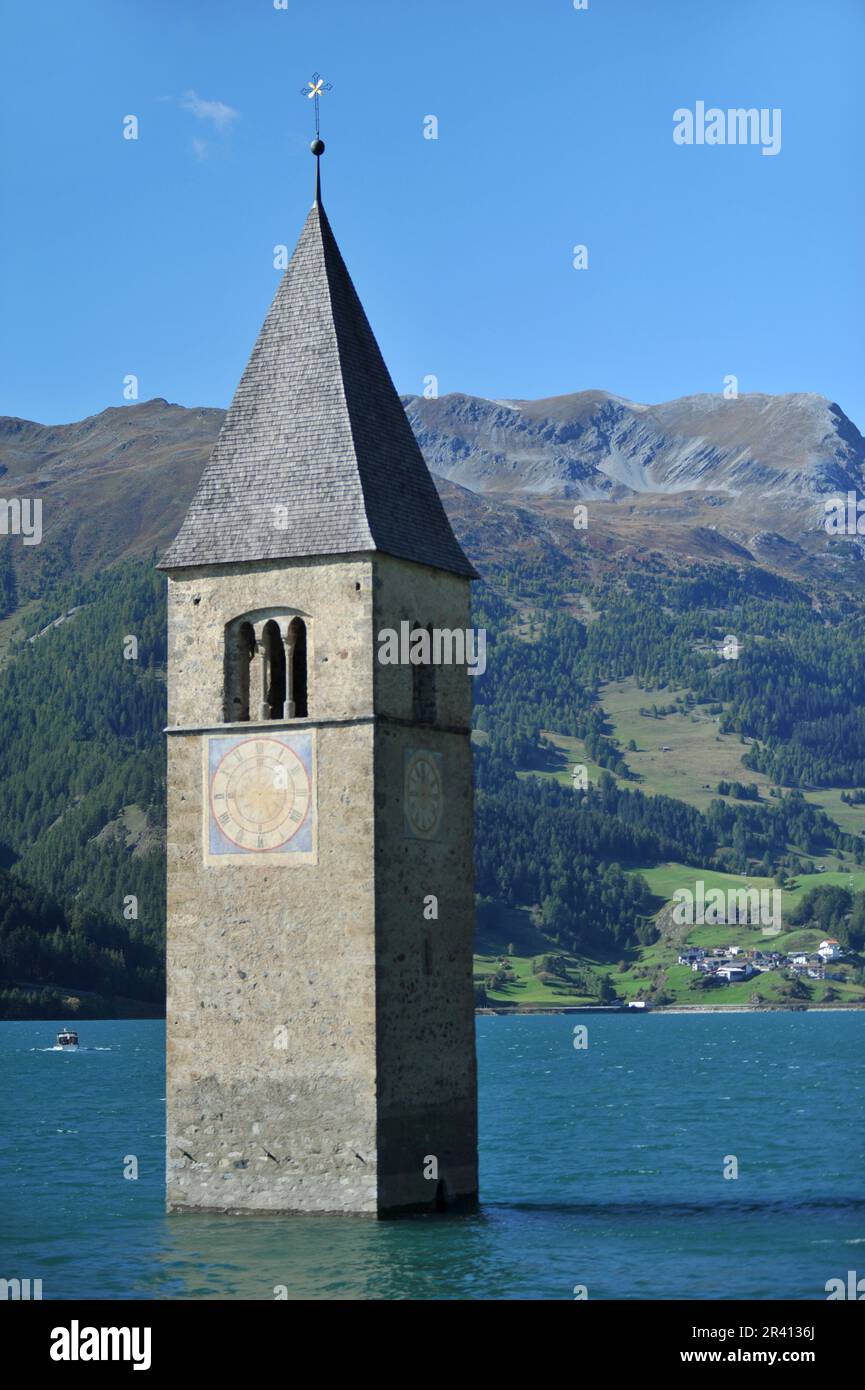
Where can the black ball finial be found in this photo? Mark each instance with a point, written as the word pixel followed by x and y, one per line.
pixel 317 147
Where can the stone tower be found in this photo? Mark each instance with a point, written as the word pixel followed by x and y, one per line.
pixel 320 885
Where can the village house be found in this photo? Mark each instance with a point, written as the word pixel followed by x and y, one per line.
pixel 735 971
pixel 801 963
pixel 768 959
pixel 830 949
pixel 691 954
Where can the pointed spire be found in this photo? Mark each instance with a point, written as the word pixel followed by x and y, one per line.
pixel 316 455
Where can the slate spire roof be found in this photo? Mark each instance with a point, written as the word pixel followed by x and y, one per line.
pixel 316 455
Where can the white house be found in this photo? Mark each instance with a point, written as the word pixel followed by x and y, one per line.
pixel 830 949
pixel 732 973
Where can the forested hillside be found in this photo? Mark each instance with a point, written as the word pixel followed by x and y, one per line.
pixel 543 842
pixel 82 793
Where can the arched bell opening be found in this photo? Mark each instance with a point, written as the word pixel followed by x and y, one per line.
pixel 273 652
pixel 239 654
pixel 295 644
pixel 265 675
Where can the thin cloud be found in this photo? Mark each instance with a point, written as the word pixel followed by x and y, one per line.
pixel 218 112
pixel 200 148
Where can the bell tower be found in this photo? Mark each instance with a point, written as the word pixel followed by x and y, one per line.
pixel 320 879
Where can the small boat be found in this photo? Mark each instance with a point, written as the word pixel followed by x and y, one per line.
pixel 67 1038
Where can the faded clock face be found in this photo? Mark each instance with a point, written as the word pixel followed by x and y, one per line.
pixel 259 796
pixel 423 794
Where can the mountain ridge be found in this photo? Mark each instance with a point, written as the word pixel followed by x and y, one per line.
pixel 697 478
pixel 589 443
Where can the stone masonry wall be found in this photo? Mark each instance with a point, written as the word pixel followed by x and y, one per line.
pixel 253 950
pixel 424 991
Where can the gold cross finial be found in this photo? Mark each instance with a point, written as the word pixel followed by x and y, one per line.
pixel 312 91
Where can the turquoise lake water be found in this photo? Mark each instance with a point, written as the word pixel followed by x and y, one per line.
pixel 601 1167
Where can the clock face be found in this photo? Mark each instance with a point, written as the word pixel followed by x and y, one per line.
pixel 423 794
pixel 259 798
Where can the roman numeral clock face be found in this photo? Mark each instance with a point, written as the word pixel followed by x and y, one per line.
pixel 260 799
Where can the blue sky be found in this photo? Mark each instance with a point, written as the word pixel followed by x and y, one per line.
pixel 155 256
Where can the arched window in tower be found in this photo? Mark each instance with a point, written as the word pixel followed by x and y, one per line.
pixel 295 651
pixel 423 686
pixel 265 667
pixel 273 705
pixel 239 653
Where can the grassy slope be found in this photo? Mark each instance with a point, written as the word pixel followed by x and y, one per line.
pixel 699 758
pixel 499 927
